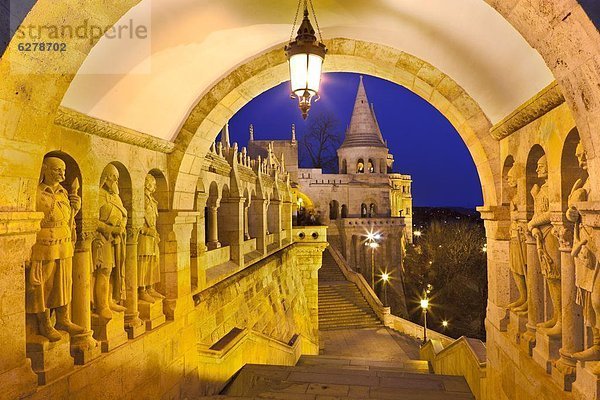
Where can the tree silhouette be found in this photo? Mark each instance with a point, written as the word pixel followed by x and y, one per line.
pixel 450 256
pixel 318 146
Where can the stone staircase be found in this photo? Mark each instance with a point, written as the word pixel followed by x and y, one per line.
pixel 341 305
pixel 320 377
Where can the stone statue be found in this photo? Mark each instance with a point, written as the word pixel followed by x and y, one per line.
pixel 586 262
pixel 517 249
pixel 108 248
pixel 148 253
pixel 547 248
pixel 49 278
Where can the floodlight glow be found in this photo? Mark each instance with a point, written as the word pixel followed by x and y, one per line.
pixel 445 324
pixel 424 304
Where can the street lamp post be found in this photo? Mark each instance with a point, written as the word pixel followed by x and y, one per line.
pixel 373 246
pixel 385 277
pixel 372 239
pixel 424 307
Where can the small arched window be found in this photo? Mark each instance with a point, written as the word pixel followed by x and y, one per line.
pixel 360 166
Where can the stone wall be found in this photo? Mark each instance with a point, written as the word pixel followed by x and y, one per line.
pixel 269 297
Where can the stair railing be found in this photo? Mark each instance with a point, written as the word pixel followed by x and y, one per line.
pixel 219 362
pixel 394 322
pixel 463 357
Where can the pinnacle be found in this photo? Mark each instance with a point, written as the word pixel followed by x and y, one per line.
pixel 364 129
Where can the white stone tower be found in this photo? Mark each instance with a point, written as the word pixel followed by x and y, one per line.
pixel 363 149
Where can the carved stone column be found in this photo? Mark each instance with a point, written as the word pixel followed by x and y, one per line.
pixel 286 220
pixel 274 220
pixel 133 324
pixel 258 224
pixel 246 224
pixel 84 348
pixel 17 235
pixel 497 229
pixel 213 227
pixel 572 316
pixel 535 294
pixel 587 383
pixel 232 213
pixel 198 245
pixel 175 229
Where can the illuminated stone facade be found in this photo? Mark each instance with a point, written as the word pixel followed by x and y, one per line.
pixel 498 70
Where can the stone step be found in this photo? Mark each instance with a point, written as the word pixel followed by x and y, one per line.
pixel 344 310
pixel 329 325
pixel 349 320
pixel 347 326
pixel 416 366
pixel 339 306
pixel 331 315
pixel 306 382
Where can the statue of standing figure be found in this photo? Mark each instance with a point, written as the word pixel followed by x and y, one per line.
pixel 517 249
pixel 108 248
pixel 49 278
pixel 148 252
pixel 547 248
pixel 586 262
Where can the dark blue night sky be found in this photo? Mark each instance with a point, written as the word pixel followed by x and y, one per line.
pixel 423 142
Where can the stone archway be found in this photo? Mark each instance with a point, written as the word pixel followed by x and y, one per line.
pixel 216 107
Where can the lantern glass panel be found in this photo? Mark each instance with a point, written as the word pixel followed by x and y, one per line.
pixel 298 72
pixel 314 72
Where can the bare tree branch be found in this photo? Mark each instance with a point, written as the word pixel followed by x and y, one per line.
pixel 318 146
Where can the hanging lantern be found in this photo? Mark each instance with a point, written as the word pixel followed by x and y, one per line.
pixel 305 56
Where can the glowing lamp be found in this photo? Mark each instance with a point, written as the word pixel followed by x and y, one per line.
pixel 305 57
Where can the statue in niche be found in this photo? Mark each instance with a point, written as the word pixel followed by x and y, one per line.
pixel 518 249
pixel 547 248
pixel 148 253
pixel 49 278
pixel 108 248
pixel 586 262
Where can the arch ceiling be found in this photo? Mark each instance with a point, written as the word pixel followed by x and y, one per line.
pixel 195 43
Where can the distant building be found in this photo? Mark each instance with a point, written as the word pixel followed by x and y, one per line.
pixel 365 196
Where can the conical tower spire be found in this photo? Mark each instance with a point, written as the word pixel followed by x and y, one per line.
pixel 363 130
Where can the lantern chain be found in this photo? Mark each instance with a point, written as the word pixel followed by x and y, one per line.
pixel 295 20
pixel 312 8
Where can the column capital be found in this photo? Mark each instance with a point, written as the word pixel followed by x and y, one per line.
pixel 590 213
pixel 564 233
pixel 133 234
pixel 494 213
pixel 233 200
pixel 178 217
